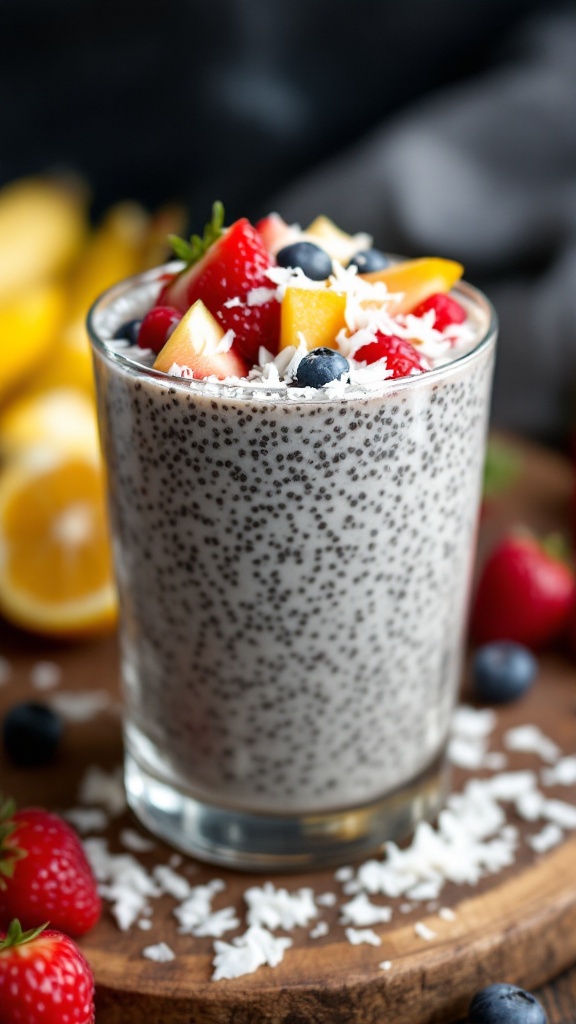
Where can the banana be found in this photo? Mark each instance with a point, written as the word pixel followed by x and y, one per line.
pixel 43 226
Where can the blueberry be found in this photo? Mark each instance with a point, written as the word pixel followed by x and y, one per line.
pixel 31 734
pixel 505 1004
pixel 369 260
pixel 319 367
pixel 128 332
pixel 313 260
pixel 503 671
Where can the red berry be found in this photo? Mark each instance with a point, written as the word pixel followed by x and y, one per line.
pixel 447 310
pixel 524 593
pixel 157 326
pixel 402 357
pixel 44 979
pixel 47 876
pixel 232 267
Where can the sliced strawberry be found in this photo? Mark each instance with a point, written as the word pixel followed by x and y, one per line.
pixel 276 233
pixel 44 978
pixel 197 343
pixel 448 310
pixel 402 357
pixel 232 267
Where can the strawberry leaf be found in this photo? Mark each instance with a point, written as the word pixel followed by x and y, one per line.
pixel 16 937
pixel 193 251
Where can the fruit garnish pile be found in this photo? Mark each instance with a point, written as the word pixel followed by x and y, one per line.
pixel 272 302
pixel 55 573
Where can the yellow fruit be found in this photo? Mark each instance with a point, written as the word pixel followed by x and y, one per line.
pixel 315 315
pixel 116 250
pixel 62 419
pixel 43 225
pixel 55 564
pixel 413 281
pixel 70 364
pixel 28 326
pixel 197 333
pixel 337 243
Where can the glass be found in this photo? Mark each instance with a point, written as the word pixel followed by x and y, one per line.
pixel 294 579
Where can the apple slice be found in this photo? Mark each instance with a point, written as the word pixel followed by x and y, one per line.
pixel 196 343
pixel 416 280
pixel 315 313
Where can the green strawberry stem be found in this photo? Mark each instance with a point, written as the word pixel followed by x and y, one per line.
pixel 16 937
pixel 193 250
pixel 9 853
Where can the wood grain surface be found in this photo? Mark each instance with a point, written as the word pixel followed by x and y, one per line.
pixel 518 925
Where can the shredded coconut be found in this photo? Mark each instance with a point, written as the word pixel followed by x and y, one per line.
pixel 160 953
pixel 319 930
pixel 87 819
pixel 563 773
pixel 135 841
pixel 246 953
pixel 424 932
pixel 105 788
pixel 549 837
pixel 360 912
pixel 385 965
pixel 531 740
pixel 277 908
pixel 362 936
pixel 81 706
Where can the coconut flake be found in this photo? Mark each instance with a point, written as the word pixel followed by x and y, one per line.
pixel 545 840
pixel 362 936
pixel 45 675
pixel 360 912
pixel 106 788
pixel 530 739
pixel 277 908
pixel 561 774
pixel 87 819
pixel 135 842
pixel 424 932
pixel 160 953
pixel 80 706
pixel 246 953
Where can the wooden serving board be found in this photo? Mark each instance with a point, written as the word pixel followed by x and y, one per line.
pixel 518 925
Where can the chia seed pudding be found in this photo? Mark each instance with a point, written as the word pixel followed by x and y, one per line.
pixel 293 565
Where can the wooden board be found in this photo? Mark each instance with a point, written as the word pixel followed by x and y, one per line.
pixel 519 925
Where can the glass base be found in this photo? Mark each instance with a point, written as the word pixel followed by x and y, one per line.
pixel 292 842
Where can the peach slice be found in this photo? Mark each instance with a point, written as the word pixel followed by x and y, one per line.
pixel 196 343
pixel 314 313
pixel 415 280
pixel 339 245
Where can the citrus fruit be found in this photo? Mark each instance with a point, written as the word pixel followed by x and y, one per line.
pixel 55 560
pixel 61 418
pixel 29 323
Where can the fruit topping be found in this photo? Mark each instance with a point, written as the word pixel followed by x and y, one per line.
pixel 448 310
pixel 319 367
pixel 44 873
pixel 503 671
pixel 505 1004
pixel 402 357
pixel 157 326
pixel 526 592
pixel 275 232
pixel 369 260
pixel 413 281
pixel 31 734
pixel 128 331
pixel 310 258
pixel 339 245
pixel 227 271
pixel 44 978
pixel 314 316
pixel 200 344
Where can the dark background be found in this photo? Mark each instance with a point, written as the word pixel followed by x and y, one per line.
pixel 199 99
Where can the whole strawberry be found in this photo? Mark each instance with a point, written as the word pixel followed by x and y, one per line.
pixel 227 271
pixel 526 592
pixel 44 979
pixel 44 873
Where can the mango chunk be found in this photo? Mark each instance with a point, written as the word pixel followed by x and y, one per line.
pixel 339 245
pixel 415 280
pixel 317 315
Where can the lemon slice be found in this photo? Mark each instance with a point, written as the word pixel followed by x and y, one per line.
pixel 55 561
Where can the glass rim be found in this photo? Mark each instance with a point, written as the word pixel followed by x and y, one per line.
pixel 263 392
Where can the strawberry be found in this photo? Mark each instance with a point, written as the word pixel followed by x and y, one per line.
pixel 276 233
pixel 525 592
pixel 227 265
pixel 402 357
pixel 44 979
pixel 44 873
pixel 448 310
